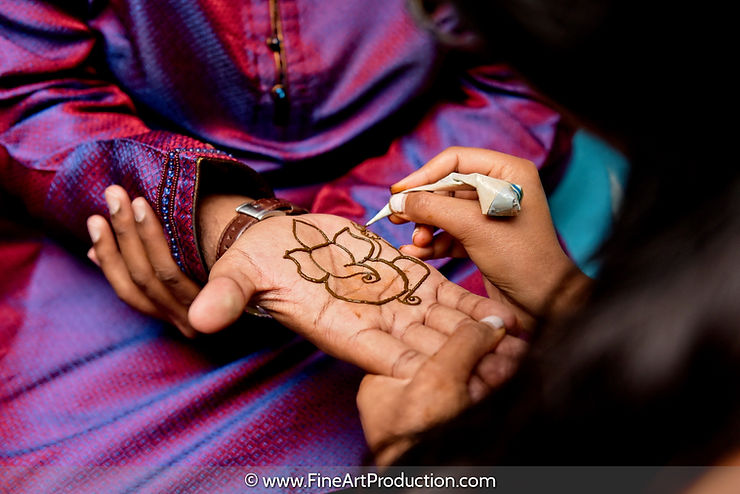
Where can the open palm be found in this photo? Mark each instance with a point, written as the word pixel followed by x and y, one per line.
pixel 345 289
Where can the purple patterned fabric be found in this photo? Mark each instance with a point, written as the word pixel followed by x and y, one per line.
pixel 108 400
pixel 86 85
pixel 143 93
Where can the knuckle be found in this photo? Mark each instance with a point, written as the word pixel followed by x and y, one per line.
pixel 365 389
pixel 140 278
pixel 445 287
pixel 121 227
pixel 418 203
pixel 125 293
pixel 478 304
pixel 495 369
pixel 431 312
pixel 528 167
pixel 403 361
pixel 168 276
pixel 461 326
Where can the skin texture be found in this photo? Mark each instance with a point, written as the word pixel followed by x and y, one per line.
pixel 522 262
pixel 382 272
pixel 389 339
pixel 520 257
pixel 393 339
pixel 392 409
pixel 136 260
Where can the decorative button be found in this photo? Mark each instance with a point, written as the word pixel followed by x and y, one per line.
pixel 278 92
pixel 273 43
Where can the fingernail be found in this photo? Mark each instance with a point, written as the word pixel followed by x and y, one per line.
pixel 114 204
pixel 93 230
pixel 494 321
pixel 91 255
pixel 397 202
pixel 413 235
pixel 139 210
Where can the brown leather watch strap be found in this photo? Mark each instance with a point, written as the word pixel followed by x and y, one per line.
pixel 249 214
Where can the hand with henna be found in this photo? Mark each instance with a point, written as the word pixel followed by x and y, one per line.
pixel 345 289
pixel 342 287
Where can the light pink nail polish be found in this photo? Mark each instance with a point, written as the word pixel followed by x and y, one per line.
pixel 494 321
pixel 397 203
pixel 114 204
pixel 139 211
pixel 91 255
pixel 93 230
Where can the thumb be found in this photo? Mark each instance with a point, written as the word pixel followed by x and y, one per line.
pixel 220 303
pixel 464 349
pixel 458 217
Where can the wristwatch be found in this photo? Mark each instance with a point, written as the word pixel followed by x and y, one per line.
pixel 250 213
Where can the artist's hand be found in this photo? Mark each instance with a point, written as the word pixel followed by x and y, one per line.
pixel 392 409
pixel 520 257
pixel 347 291
pixel 139 266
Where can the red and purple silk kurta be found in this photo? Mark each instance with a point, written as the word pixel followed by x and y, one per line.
pixel 149 94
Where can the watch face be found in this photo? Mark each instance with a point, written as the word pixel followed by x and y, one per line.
pixel 264 208
pixel 251 209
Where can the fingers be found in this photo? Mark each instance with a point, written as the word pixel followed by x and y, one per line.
pixel 477 388
pixel 464 349
pixel 454 296
pixel 493 370
pixel 421 337
pixel 442 245
pixel 446 320
pixel 106 255
pixel 158 252
pixel 220 303
pixel 132 249
pixel 439 322
pixel 139 266
pixel 92 256
pixel 512 347
pixel 125 261
pixel 496 368
pixel 377 352
pixel 467 160
pixel 423 235
pixel 461 218
pixel 381 401
pixel 374 390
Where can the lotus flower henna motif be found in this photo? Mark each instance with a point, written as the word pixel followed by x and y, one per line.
pixel 356 266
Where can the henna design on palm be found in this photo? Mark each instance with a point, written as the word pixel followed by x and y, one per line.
pixel 356 266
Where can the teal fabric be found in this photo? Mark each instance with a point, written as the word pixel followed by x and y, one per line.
pixel 585 201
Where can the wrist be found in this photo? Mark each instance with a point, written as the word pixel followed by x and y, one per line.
pixel 251 213
pixel 214 213
pixel 571 293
